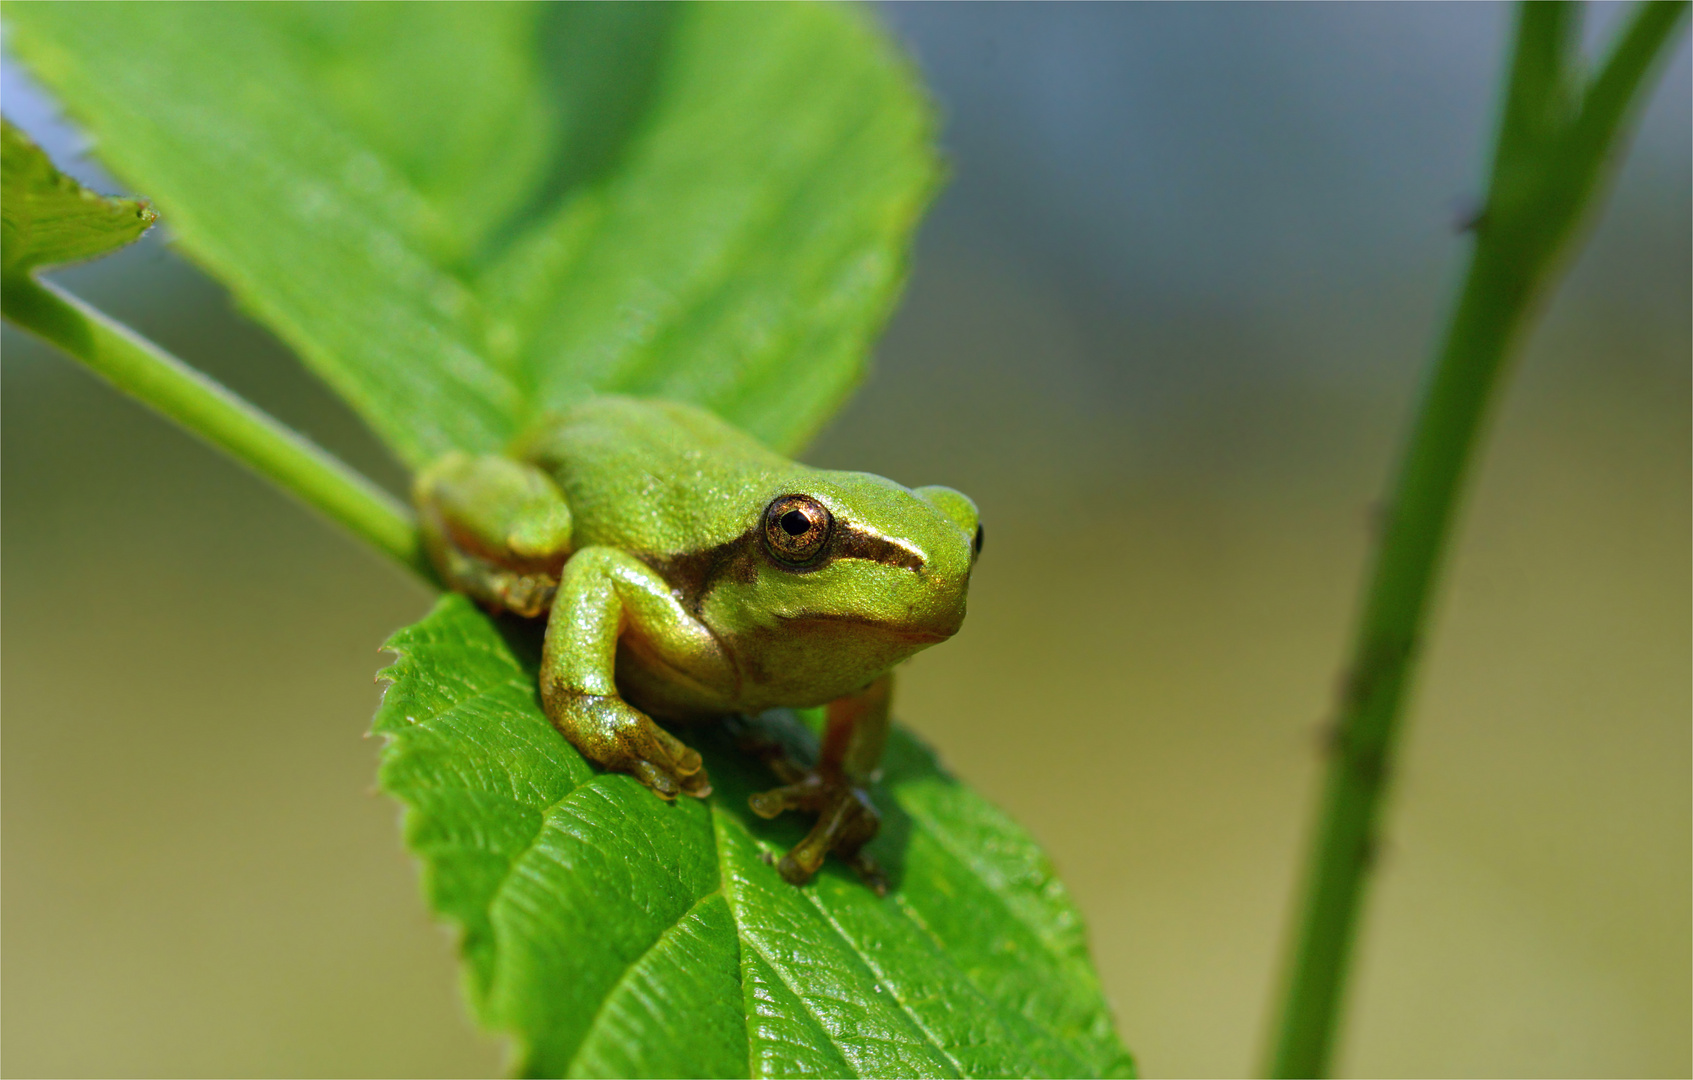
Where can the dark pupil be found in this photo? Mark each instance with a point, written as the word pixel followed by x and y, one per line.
pixel 978 539
pixel 795 523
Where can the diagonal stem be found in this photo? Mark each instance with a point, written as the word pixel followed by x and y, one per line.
pixel 1554 151
pixel 220 417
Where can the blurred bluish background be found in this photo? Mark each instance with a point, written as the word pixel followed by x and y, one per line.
pixel 1166 325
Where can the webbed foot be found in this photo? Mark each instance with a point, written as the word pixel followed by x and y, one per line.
pixel 846 821
pixel 836 790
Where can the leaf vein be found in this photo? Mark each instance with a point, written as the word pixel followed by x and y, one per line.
pixel 877 974
pixel 993 879
pixel 746 942
pixel 1066 960
pixel 623 977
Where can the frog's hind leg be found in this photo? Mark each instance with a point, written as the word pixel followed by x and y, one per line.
pixel 495 528
pixel 854 734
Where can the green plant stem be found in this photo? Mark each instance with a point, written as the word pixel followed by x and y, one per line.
pixel 146 372
pixel 1553 153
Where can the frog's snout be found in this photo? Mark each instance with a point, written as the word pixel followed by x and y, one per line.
pixel 958 511
pixel 955 506
pixel 939 630
pixel 941 612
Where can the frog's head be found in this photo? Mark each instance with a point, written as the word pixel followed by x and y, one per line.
pixel 843 576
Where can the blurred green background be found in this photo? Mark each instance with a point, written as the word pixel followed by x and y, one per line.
pixel 1166 326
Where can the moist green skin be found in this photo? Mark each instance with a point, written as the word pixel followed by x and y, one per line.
pixel 640 529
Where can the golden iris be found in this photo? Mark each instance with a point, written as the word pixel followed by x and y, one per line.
pixel 796 528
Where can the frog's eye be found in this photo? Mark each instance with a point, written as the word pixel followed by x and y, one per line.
pixel 796 528
pixel 977 548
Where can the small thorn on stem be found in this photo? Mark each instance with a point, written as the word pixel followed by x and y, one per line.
pixel 1469 214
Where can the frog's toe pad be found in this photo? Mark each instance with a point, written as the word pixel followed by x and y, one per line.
pixel 794 871
pixel 667 779
pixel 667 784
pixel 614 735
pixel 776 801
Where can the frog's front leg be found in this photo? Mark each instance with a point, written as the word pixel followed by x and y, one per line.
pixel 605 594
pixel 854 733
pixel 495 528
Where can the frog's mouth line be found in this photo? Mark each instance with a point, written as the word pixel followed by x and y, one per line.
pixel 925 637
pixel 909 633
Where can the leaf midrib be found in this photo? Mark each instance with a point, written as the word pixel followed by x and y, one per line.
pixel 623 976
pixel 718 823
pixel 881 979
pixel 773 204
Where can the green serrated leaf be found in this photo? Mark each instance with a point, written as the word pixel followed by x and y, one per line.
pixel 48 219
pixel 463 216
pixel 614 934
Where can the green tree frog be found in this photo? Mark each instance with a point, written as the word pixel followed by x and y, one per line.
pixel 686 572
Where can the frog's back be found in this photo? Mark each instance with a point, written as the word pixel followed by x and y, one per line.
pixel 655 477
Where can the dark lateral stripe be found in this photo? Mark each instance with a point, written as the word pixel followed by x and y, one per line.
pixel 856 544
pixel 694 574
